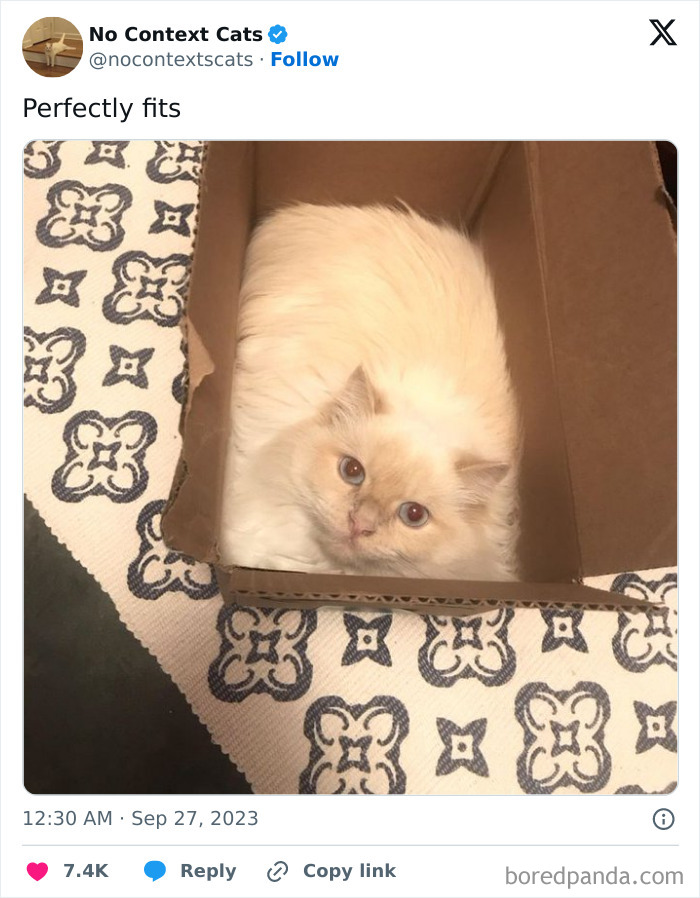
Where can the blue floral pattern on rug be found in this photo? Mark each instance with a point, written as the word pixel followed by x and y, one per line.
pixel 61 287
pixel 355 749
pixel 128 367
pixel 649 636
pixel 85 215
pixel 175 160
pixel 108 151
pixel 656 726
pixel 564 738
pixel 158 570
pixel 147 288
pixel 263 650
pixel 563 630
pixel 105 457
pixel 171 218
pixel 41 158
pixel 180 382
pixel 49 363
pixel 367 639
pixel 462 747
pixel 636 789
pixel 461 647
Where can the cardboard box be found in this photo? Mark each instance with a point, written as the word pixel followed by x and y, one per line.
pixel 582 249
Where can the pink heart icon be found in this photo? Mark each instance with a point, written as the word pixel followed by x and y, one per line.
pixel 37 871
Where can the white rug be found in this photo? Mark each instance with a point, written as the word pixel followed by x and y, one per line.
pixel 308 701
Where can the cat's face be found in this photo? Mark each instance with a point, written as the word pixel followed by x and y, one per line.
pixel 384 499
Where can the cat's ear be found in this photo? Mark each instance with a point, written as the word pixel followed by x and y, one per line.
pixel 479 478
pixel 359 398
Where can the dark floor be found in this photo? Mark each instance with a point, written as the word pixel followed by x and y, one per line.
pixel 99 713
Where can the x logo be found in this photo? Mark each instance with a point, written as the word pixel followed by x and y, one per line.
pixel 663 32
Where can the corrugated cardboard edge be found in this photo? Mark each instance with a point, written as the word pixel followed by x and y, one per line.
pixel 262 589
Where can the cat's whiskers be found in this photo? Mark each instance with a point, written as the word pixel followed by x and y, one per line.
pixel 409 563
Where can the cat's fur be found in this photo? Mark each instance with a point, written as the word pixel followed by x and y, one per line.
pixel 370 333
pixel 52 50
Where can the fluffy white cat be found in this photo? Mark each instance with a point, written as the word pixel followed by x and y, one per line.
pixel 52 50
pixel 375 428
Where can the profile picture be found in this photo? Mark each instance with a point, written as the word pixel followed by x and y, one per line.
pixel 52 47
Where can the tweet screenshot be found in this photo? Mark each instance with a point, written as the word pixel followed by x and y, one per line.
pixel 358 346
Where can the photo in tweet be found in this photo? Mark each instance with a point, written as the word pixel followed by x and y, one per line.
pixel 443 565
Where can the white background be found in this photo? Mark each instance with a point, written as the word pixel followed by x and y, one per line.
pixel 419 70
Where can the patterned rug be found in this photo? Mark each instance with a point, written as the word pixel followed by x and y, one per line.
pixel 301 701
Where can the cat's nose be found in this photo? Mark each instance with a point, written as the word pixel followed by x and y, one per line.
pixel 361 524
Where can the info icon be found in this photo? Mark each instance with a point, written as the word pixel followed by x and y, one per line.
pixel 663 818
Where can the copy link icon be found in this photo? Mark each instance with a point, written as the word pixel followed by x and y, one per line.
pixel 277 871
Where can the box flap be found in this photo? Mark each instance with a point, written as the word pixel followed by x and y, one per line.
pixel 608 249
pixel 225 210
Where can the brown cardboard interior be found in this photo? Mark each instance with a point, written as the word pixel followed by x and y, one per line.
pixel 225 214
pixel 583 256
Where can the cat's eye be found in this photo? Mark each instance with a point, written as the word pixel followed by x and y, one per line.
pixel 351 470
pixel 413 514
